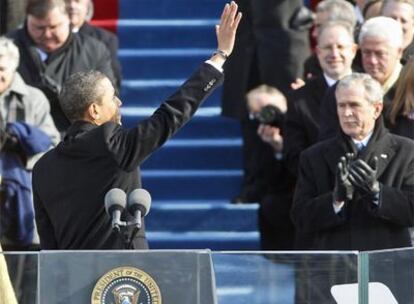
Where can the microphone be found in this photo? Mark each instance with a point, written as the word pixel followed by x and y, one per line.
pixel 115 202
pixel 139 203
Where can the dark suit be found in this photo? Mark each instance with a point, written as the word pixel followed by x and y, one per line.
pixel 111 42
pixel 360 225
pixel 302 120
pixel 70 181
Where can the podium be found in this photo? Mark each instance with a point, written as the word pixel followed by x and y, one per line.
pixel 130 277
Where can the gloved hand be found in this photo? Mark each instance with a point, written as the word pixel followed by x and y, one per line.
pixel 364 177
pixel 343 189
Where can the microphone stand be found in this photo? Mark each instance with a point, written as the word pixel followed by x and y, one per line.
pixel 128 238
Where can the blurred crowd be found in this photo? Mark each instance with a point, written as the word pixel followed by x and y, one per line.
pixel 301 81
pixel 285 97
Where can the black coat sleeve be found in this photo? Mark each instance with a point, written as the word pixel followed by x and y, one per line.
pixel 44 225
pixel 312 206
pixel 131 147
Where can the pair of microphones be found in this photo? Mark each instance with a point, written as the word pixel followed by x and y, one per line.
pixel 138 205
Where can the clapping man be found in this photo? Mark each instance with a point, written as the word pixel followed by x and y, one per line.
pixel 356 190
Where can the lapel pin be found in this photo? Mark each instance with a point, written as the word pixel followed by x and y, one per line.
pixel 384 156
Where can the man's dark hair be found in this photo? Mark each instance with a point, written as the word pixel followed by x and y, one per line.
pixel 79 91
pixel 40 8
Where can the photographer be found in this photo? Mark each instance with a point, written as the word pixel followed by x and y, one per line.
pixel 267 107
pixel 356 191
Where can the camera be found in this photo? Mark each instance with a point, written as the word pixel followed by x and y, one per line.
pixel 270 115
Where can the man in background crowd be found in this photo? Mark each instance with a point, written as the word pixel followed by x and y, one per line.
pixel 380 42
pixel 270 49
pixel 50 52
pixel 403 12
pixel 328 11
pixel 268 106
pixel 79 13
pixel 335 50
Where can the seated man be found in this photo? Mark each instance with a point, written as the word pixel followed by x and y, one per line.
pixel 356 190
pixel 24 122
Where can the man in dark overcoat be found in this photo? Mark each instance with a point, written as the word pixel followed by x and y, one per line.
pixel 50 52
pixel 97 154
pixel 356 190
pixel 335 50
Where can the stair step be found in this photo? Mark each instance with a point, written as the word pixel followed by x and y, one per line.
pixel 151 93
pixel 197 154
pixel 205 124
pixel 192 184
pixel 167 8
pixel 202 240
pixel 203 217
pixel 161 63
pixel 190 202
pixel 137 34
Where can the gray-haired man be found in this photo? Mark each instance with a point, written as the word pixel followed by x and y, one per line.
pixel 356 190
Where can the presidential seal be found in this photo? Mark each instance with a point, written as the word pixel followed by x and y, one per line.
pixel 126 285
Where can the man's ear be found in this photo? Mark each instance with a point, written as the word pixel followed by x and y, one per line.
pixel 92 112
pixel 378 106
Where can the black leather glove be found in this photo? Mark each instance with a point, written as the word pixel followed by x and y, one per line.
pixel 343 187
pixel 364 177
